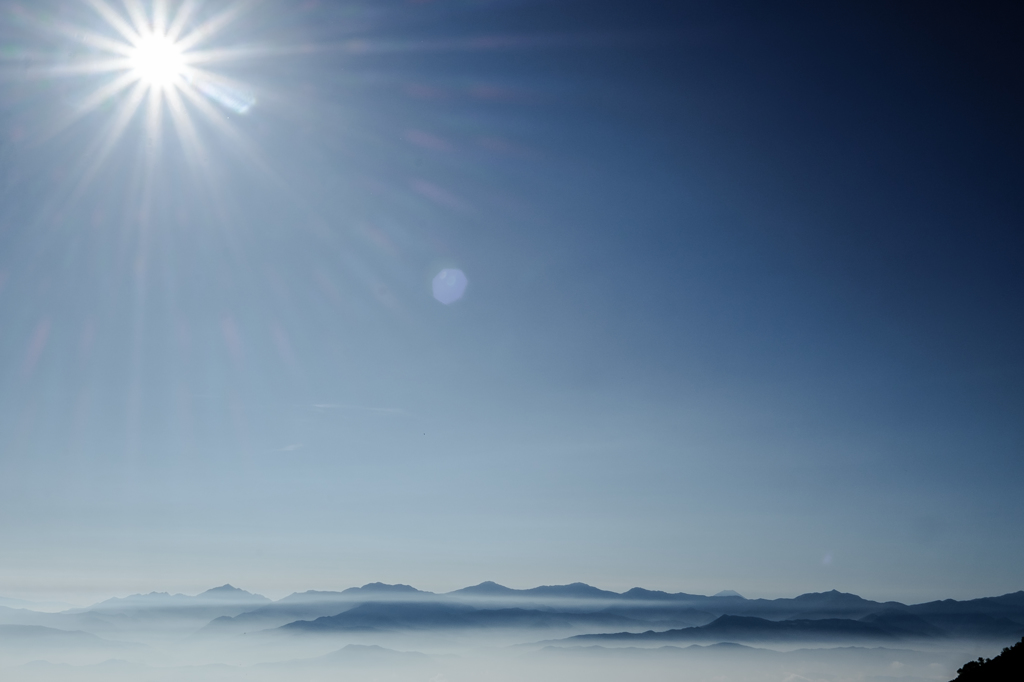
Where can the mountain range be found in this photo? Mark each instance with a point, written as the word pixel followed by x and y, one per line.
pixel 580 612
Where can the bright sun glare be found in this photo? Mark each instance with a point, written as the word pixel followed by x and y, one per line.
pixel 157 60
pixel 155 55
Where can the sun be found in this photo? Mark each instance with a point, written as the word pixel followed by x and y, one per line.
pixel 157 61
pixel 151 57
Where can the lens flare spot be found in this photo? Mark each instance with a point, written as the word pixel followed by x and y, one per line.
pixel 449 285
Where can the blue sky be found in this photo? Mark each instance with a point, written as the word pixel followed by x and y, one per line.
pixel 743 305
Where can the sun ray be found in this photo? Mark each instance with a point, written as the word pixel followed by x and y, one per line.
pixel 212 116
pixel 186 131
pixel 227 92
pixel 99 152
pixel 160 17
pixel 210 27
pixel 137 15
pixel 114 18
pixel 154 116
pixel 181 17
pixel 103 94
pixel 229 54
pixel 144 61
pixel 195 153
pixel 91 38
pixel 90 68
pixel 90 104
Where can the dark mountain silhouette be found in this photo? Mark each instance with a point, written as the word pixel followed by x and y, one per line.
pixel 1007 666
pixel 571 591
pixel 988 617
pixel 902 623
pixel 377 589
pixel 752 629
pixel 386 616
pixel 975 625
pixel 354 595
pixel 991 615
pixel 833 604
pixel 487 589
pixel 311 605
pixel 639 593
pixel 824 616
pixel 274 615
pixel 728 628
pixel 831 615
pixel 664 615
pixel 1008 605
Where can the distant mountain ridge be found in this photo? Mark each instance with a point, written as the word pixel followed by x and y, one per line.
pixel 571 591
pixel 225 594
pixel 376 616
pixel 885 626
pixel 638 614
pixel 760 630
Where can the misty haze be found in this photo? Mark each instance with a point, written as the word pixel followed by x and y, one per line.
pixel 489 631
pixel 469 340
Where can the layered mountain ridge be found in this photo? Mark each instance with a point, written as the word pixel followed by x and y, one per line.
pixel 637 617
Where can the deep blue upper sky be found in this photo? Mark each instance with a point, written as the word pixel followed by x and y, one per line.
pixel 745 306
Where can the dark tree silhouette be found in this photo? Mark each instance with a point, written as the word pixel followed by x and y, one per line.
pixel 1007 666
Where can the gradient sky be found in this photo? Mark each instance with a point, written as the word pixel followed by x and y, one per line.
pixel 745 306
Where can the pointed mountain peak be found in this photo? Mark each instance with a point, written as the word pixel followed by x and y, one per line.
pixel 384 587
pixel 659 595
pixel 488 587
pixel 230 592
pixel 572 590
pixel 225 588
pixel 728 593
pixel 831 595
pixel 641 591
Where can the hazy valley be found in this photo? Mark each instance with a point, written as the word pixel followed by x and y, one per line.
pixel 488 631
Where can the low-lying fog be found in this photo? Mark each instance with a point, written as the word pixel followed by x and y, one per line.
pixel 488 632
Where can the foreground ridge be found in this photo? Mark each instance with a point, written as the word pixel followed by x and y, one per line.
pixel 1008 665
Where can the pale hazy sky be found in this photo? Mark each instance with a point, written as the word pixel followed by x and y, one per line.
pixel 743 310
